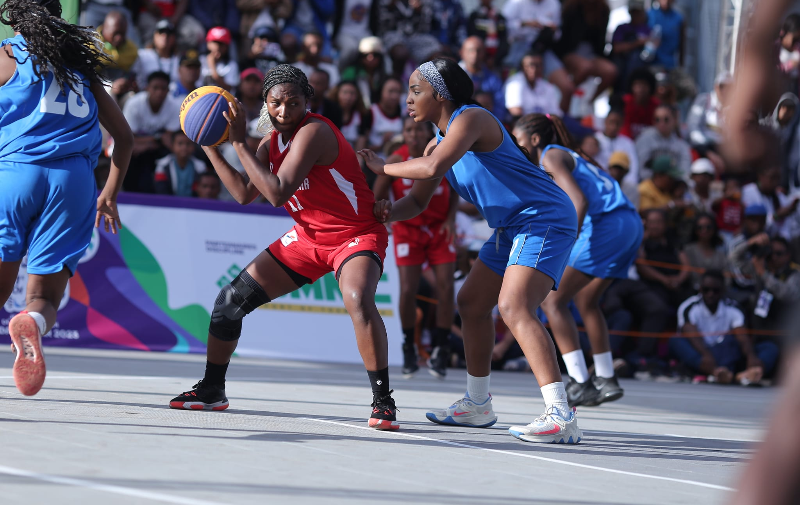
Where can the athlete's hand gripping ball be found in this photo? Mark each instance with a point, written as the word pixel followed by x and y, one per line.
pixel 237 123
pixel 382 210
pixel 107 211
pixel 373 161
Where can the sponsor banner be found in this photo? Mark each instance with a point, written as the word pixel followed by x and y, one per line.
pixel 153 286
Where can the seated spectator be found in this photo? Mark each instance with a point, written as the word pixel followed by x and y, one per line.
pixel 177 172
pixel 590 146
pixel 700 193
pixel 163 56
pixel 255 15
pixel 218 67
pixel 319 103
pixel 369 71
pixel 789 53
pixel 612 140
pixel 120 49
pixel 619 167
pixel 310 58
pixel 671 48
pixel 661 140
pixel 386 119
pixel 705 249
pixel 488 24
pixel 527 92
pixel 656 192
pixel 780 208
pixel 172 11
pixel 94 12
pixel 356 119
pixel 722 342
pixel 265 51
pixel 664 269
pixel 729 210
pixel 405 27
pixel 639 104
pixel 473 61
pixel 778 282
pixel 153 116
pixel 350 25
pixel 450 24
pixel 785 120
pixel 188 76
pixel 208 186
pixel 629 41
pixel 250 92
pixel 311 16
pixel 582 45
pixel 705 119
pixel 752 241
pixel 484 99
pixel 212 13
pixel 290 46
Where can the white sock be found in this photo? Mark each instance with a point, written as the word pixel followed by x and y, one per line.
pixel 604 365
pixel 478 388
pixel 556 396
pixel 40 322
pixel 576 366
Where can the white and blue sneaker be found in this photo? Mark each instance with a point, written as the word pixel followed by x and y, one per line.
pixel 465 412
pixel 552 427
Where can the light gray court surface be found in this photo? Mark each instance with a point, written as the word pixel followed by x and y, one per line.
pixel 100 432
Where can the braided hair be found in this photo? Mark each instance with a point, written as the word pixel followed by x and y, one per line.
pixel 55 45
pixel 281 74
pixel 551 130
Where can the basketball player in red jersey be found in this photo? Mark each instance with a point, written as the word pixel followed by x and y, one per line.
pixel 307 166
pixel 427 238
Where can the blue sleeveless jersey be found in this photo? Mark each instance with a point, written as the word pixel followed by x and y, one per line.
pixel 602 192
pixel 507 188
pixel 38 122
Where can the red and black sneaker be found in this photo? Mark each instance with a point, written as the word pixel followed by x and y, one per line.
pixel 201 397
pixel 383 413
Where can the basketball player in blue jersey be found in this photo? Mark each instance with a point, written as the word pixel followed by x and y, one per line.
pixel 607 246
pixel 52 102
pixel 535 226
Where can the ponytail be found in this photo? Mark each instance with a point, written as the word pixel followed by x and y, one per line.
pixel 551 130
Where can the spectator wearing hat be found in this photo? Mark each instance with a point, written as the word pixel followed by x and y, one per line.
pixel 752 241
pixel 701 193
pixel 188 76
pixel 782 216
pixel 311 16
pixel 488 24
pixel 369 71
pixel 311 58
pixel 163 56
pixel 705 118
pixel 612 140
pixel 265 52
pixel 526 92
pixel 256 14
pixel 656 192
pixel 218 67
pixel 473 61
pixel 350 25
pixel 619 165
pixel 319 103
pixel 251 85
pixel 661 139
pixel 153 11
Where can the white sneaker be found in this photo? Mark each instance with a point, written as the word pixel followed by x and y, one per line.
pixel 552 427
pixel 465 412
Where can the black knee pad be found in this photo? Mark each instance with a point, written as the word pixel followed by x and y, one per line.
pixel 239 298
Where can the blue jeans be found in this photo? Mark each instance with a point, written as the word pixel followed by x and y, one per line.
pixel 726 353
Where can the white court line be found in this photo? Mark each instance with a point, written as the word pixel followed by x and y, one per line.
pixel 529 456
pixel 127 491
pixel 750 441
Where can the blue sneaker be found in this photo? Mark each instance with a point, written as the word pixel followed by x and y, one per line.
pixel 552 427
pixel 465 412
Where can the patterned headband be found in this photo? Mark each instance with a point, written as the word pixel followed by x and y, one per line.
pixel 431 74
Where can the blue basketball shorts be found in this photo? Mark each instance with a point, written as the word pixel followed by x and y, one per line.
pixel 47 212
pixel 608 244
pixel 533 245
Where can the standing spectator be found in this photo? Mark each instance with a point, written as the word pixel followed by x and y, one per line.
pixel 218 67
pixel 121 50
pixel 628 41
pixel 765 192
pixel 656 192
pixel 527 92
pixel 473 61
pixel 778 281
pixel 705 119
pixel 619 164
pixel 369 71
pixel 670 50
pixel 176 172
pixel 723 340
pixel 664 270
pixel 784 120
pixel 319 103
pixel 312 16
pixel 153 116
pixel 211 13
pixel 311 58
pixel 356 119
pixel 611 140
pixel 250 90
pixel 94 12
pixel 386 119
pixel 188 75
pixel 405 27
pixel 729 210
pixel 582 44
pixel 450 23
pixel 163 56
pixel 208 186
pixel 701 194
pixel 489 25
pixel 350 25
pixel 705 249
pixel 265 52
pixel 661 140
pixel 639 104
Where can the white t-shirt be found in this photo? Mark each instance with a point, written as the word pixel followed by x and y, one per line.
pixel 790 226
pixel 543 98
pixel 333 72
pixel 149 62
pixel 713 326
pixel 382 124
pixel 350 130
pixel 143 121
pixel 620 143
pixel 518 11
pixel 355 21
pixel 228 71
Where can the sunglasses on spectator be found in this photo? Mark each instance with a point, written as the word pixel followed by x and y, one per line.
pixel 710 290
pixel 659 119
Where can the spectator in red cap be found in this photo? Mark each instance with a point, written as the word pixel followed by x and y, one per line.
pixel 250 88
pixel 219 69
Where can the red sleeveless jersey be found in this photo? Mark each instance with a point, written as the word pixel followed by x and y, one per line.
pixel 334 202
pixel 437 209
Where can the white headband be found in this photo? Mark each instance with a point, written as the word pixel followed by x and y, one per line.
pixel 431 74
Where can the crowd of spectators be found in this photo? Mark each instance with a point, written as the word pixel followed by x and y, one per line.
pixel 712 238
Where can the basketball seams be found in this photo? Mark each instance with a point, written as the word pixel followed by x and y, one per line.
pixel 205 120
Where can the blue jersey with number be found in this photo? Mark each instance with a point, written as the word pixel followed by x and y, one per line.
pixel 602 192
pixel 38 122
pixel 507 188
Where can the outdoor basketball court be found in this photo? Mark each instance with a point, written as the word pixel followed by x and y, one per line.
pixel 100 432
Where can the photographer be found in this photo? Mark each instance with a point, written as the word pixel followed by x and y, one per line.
pixel 778 284
pixel 752 242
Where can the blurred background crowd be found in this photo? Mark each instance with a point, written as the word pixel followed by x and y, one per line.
pixel 637 82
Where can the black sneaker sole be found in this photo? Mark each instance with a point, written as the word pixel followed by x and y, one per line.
pixel 188 405
pixel 611 396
